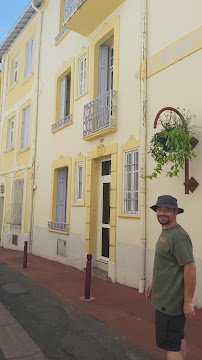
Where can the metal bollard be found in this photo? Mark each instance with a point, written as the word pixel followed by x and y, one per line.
pixel 88 276
pixel 25 255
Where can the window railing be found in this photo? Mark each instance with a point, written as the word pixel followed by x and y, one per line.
pixel 62 122
pixel 70 6
pixel 57 225
pixel 100 113
pixel 14 213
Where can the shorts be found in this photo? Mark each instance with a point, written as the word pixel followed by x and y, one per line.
pixel 169 331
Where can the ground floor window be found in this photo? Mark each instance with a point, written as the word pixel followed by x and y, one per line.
pixel 131 181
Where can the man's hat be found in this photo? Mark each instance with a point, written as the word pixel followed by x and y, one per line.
pixel 167 201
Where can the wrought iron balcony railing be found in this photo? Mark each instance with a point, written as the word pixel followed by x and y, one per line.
pixel 100 113
pixel 70 6
pixel 62 122
pixel 57 226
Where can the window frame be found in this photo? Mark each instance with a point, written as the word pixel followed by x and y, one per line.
pixel 14 71
pixel 82 84
pixel 134 175
pixel 79 200
pixel 10 130
pixel 24 146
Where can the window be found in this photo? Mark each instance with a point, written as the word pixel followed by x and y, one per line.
pixel 65 85
pixel 25 127
pixel 131 179
pixel 61 203
pixel 16 209
pixel 14 71
pixel 10 134
pixel 82 76
pixel 79 183
pixel 29 57
pixel 106 62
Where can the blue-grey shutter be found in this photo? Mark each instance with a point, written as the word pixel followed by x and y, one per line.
pixel 103 70
pixel 61 195
pixel 63 96
pixel 29 57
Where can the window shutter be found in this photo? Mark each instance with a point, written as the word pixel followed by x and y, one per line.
pixel 25 128
pixel 61 195
pixel 103 70
pixel 63 95
pixel 29 57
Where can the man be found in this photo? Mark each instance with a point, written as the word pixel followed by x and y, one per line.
pixel 174 280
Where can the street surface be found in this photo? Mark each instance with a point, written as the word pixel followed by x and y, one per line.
pixel 53 328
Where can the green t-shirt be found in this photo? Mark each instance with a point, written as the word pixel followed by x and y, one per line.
pixel 173 251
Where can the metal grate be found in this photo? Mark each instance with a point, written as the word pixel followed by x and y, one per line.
pixel 57 226
pixel 62 122
pixel 14 239
pixel 100 113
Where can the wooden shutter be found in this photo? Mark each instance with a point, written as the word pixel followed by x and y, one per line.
pixel 25 128
pixel 61 195
pixel 103 70
pixel 63 95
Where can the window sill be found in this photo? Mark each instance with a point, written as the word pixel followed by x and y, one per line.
pixel 128 216
pixel 12 86
pixel 27 78
pixel 23 150
pixel 62 127
pixel 80 96
pixel 8 150
pixel 59 231
pixel 16 226
pixel 78 205
pixel 62 34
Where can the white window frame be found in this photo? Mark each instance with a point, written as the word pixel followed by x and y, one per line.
pixel 10 134
pixel 82 75
pixel 78 196
pixel 110 67
pixel 131 194
pixel 14 71
pixel 25 140
pixel 29 57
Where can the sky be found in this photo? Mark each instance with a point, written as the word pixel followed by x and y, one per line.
pixel 9 13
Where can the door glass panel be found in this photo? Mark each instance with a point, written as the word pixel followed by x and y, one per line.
pixel 105 242
pixel 106 204
pixel 106 168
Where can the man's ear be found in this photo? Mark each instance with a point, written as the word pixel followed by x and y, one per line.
pixel 176 211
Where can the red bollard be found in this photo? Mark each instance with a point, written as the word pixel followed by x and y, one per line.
pixel 25 255
pixel 88 276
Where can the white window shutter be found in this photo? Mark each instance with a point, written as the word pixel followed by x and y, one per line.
pixel 25 128
pixel 103 70
pixel 63 95
pixel 29 57
pixel 61 195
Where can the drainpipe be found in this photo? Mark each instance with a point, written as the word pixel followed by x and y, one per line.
pixel 143 100
pixel 35 125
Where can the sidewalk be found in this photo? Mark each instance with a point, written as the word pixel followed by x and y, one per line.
pixel 125 312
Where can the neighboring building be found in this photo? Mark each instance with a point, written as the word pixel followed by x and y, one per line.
pixel 19 57
pixel 94 118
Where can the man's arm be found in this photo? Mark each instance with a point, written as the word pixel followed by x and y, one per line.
pixel 189 288
pixel 148 292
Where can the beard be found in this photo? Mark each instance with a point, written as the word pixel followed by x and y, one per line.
pixel 163 220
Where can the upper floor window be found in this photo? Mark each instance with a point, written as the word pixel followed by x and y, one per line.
pixel 25 128
pixel 29 57
pixel 82 76
pixel 14 71
pixel 79 183
pixel 106 62
pixel 10 134
pixel 131 181
pixel 65 86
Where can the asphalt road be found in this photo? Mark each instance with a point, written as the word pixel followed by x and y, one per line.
pixel 59 330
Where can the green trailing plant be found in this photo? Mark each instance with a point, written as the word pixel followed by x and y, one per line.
pixel 172 145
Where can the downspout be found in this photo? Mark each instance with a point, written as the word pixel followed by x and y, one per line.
pixel 143 101
pixel 35 125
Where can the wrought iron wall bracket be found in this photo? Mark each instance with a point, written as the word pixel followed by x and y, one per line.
pixel 190 183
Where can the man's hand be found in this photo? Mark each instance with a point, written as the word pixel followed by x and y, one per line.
pixel 189 310
pixel 148 292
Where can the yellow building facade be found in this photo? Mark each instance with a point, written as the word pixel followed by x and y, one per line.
pixel 102 70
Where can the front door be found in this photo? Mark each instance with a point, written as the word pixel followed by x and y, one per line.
pixel 103 234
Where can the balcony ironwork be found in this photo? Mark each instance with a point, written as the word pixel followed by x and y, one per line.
pixel 70 6
pixel 58 226
pixel 61 33
pixel 100 113
pixel 62 122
